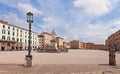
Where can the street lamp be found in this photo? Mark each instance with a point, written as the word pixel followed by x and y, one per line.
pixel 29 56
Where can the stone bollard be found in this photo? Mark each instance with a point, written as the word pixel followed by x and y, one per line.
pixel 28 62
pixel 112 60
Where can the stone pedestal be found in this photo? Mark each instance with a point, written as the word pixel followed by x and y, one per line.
pixel 53 46
pixel 112 60
pixel 28 62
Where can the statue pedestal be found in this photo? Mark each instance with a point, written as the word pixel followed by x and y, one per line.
pixel 53 46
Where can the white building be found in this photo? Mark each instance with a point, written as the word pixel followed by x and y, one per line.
pixel 15 38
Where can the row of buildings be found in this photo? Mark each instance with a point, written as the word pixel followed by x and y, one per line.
pixel 16 38
pixel 114 40
pixel 76 44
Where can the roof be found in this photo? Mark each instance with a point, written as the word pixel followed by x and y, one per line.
pixel 40 35
pixel 59 37
pixel 46 33
pixel 4 22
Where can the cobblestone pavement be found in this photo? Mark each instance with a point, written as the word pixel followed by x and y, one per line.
pixel 73 62
pixel 59 69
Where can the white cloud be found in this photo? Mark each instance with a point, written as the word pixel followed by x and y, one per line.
pixel 96 27
pixel 29 8
pixel 51 19
pixel 117 23
pixel 14 19
pixel 95 7
pixel 98 33
pixel 13 3
pixel 54 22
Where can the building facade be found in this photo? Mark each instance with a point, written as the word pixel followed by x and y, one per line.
pixel 89 45
pixel 113 40
pixel 75 44
pixel 83 45
pixel 59 42
pixel 40 42
pixel 15 38
pixel 66 45
pixel 117 40
pixel 98 47
pixel 47 39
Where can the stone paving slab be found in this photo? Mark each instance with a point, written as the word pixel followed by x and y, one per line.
pixel 59 69
pixel 73 62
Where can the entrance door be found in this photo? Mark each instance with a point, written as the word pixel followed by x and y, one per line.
pixel 12 48
pixel 2 48
pixel 17 48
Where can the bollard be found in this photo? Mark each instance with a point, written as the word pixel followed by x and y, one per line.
pixel 112 60
pixel 28 62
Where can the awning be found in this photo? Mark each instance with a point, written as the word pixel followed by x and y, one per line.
pixel 2 45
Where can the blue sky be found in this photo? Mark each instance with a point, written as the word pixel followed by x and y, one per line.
pixel 84 20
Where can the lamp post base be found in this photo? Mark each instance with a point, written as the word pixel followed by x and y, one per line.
pixel 28 61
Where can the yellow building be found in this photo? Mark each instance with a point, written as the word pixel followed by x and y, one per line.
pixel 89 45
pixel 59 42
pixel 98 46
pixel 66 45
pixel 47 38
pixel 95 46
pixel 75 44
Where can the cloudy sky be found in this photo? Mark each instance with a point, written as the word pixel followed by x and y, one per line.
pixel 84 20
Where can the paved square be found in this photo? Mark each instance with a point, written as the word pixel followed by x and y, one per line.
pixel 75 61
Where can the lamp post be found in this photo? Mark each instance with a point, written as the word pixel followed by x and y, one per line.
pixel 29 56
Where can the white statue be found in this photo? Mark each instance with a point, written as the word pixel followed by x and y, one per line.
pixel 53 33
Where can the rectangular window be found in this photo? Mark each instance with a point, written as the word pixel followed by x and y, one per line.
pixel 17 29
pixel 3 26
pixel 13 34
pixel 20 40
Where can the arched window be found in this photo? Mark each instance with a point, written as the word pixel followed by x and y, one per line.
pixel 3 31
pixel 13 38
pixel 17 39
pixel 8 32
pixel 8 38
pixel 3 37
